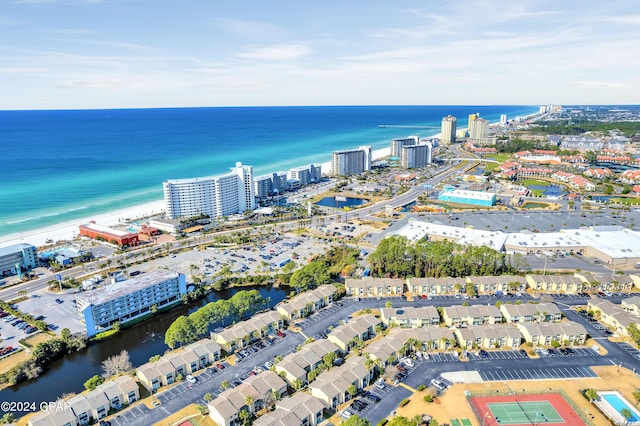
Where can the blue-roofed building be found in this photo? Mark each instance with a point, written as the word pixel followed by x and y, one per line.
pixel 124 301
pixel 18 255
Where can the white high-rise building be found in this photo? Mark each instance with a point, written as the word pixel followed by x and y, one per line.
pixel 215 196
pixel 448 129
pixel 397 144
pixel 415 156
pixel 503 119
pixel 351 162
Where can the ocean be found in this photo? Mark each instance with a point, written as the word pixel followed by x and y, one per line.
pixel 58 166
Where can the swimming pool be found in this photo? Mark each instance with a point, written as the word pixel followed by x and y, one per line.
pixel 619 403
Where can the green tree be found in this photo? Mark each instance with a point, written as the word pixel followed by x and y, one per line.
pixel 202 409
pixel 245 417
pixel 388 305
pixel 591 394
pixel 356 420
pixel 627 414
pixel 93 382
pixel 352 389
pixel 180 332
pixel 224 385
pixel 636 396
pixel 207 397
pixel 155 358
pixel 7 419
pixel 401 421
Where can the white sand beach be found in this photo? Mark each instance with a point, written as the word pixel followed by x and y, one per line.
pixel 69 230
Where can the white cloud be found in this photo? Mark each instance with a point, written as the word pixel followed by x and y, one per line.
pixel 279 52
pixel 600 85
pixel 93 84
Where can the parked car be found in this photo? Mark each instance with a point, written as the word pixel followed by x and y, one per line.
pixel 372 396
pixel 380 384
pixel 59 301
pixel 191 379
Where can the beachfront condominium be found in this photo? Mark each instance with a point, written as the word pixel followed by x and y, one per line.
pixel 306 175
pixel 503 119
pixel 479 129
pixel 416 156
pixel 351 161
pixel 214 196
pixel 125 300
pixel 270 184
pixel 16 258
pixel 448 130
pixel 397 144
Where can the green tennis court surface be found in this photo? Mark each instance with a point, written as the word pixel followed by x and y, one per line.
pixel 526 412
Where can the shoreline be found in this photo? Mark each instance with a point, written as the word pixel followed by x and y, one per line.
pixel 67 231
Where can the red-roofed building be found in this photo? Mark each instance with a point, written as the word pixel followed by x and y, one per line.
pixel 114 236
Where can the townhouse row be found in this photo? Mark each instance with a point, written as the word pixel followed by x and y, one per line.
pixel 308 302
pixel 423 287
pixel 618 317
pixel 415 317
pixel 92 406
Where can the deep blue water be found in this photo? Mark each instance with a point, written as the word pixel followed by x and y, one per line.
pixel 58 166
pixel 349 202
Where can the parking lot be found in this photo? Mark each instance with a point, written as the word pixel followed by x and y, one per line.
pixel 497 355
pixel 566 352
pixel 536 373
pixel 57 315
pixel 629 349
pixel 126 416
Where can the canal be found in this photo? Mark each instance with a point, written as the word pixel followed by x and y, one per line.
pixel 142 341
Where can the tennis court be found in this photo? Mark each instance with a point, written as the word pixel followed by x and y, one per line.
pixel 528 412
pixel 525 410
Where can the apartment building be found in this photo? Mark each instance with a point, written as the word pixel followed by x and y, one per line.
pixel 370 286
pixel 545 333
pixel 332 386
pixel 483 337
pixel 416 156
pixel 215 196
pixel 435 286
pixel 301 409
pixel 361 327
pixel 471 315
pixel 531 312
pixel 91 406
pixel 298 365
pixel 448 129
pixel 126 300
pixel 556 283
pixel 17 256
pixel 308 302
pixel 250 395
pixel 410 317
pixel 351 162
pixel 393 345
pixel 243 333
pixel 612 315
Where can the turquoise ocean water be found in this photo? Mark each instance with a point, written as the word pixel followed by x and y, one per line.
pixel 58 166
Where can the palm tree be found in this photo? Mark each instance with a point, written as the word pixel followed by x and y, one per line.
pixel 224 385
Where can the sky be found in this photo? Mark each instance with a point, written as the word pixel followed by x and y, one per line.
pixel 79 54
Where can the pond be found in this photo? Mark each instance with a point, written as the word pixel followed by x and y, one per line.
pixel 552 191
pixel 341 202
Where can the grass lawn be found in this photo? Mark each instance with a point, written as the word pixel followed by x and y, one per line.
pixel 532 205
pixel 501 158
pixel 14 359
pixel 625 200
pixel 528 182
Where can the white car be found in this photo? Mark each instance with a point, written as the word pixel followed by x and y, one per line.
pixel 345 414
pixel 408 362
pixel 380 384
pixel 438 384
pixel 191 379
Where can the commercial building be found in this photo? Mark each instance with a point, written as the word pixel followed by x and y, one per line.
pixel 415 156
pixel 126 300
pixel 448 130
pixel 110 235
pixel 215 196
pixel 468 197
pixel 17 256
pixel 351 162
pixel 399 143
